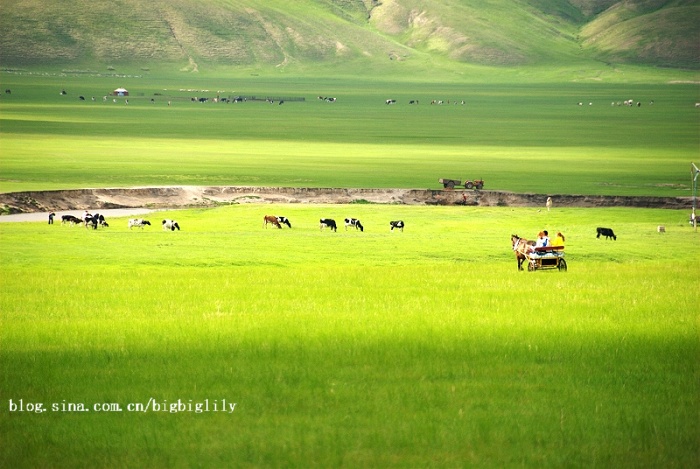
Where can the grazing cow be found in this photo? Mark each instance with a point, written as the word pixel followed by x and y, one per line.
pixel 397 224
pixel 390 101
pixel 82 98
pixel 170 225
pixel 354 222
pixel 138 223
pixel 661 229
pixel 283 221
pixel 271 219
pixel 607 232
pixel 8 91
pixel 328 223
pixel 94 220
pixel 549 204
pixel 71 220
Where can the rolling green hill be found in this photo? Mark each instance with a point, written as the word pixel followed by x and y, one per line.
pixel 347 33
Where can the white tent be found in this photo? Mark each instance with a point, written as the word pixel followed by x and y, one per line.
pixel 120 92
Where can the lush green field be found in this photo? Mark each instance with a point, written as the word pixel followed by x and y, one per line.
pixel 525 138
pixel 352 349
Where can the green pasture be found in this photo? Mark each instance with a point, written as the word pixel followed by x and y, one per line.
pixel 422 348
pixel 530 137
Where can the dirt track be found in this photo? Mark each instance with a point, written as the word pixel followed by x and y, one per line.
pixel 200 196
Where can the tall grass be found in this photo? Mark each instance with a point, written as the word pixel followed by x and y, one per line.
pixel 347 349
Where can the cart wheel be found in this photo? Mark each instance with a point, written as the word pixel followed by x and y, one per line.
pixel 479 186
pixel 530 267
pixel 450 185
pixel 562 265
pixel 469 185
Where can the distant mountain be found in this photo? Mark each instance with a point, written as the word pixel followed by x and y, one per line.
pixel 283 33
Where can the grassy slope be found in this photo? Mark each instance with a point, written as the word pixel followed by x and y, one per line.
pixel 352 349
pixel 335 33
pixel 665 37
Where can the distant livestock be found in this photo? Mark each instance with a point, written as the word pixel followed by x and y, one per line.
pixel 354 222
pixel 171 225
pixel 661 229
pixel 272 220
pixel 283 221
pixel 398 224
pixel 71 220
pixel 607 232
pixel 95 220
pixel 328 223
pixel 138 223
pixel 390 101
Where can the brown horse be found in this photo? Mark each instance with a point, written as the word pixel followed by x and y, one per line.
pixel 271 219
pixel 521 247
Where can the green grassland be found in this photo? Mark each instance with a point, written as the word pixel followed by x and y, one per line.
pixel 352 349
pixel 525 138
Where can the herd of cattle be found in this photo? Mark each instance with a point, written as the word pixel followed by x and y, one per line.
pixel 95 220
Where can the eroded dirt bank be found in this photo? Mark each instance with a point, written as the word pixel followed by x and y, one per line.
pixel 202 196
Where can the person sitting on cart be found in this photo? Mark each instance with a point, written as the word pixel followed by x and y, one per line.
pixel 558 240
pixel 542 240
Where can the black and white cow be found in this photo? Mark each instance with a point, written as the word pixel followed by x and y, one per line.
pixel 138 223
pixel 390 101
pixel 170 225
pixel 398 224
pixel 95 220
pixel 354 222
pixel 607 232
pixel 283 221
pixel 328 223
pixel 71 220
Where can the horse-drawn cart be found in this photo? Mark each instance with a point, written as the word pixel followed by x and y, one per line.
pixel 537 258
pixel 548 257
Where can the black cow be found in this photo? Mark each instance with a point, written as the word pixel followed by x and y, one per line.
pixel 70 219
pixel 354 222
pixel 397 224
pixel 607 232
pixel 328 223
pixel 283 221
